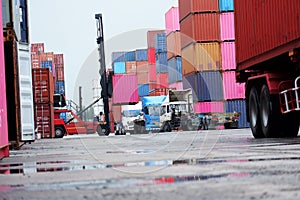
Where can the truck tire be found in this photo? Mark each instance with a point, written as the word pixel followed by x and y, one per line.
pixel 271 118
pixel 167 127
pixel 100 131
pixel 59 132
pixel 255 122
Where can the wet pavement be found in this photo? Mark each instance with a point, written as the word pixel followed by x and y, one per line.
pixel 213 164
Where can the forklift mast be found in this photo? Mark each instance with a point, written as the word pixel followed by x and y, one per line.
pixel 102 71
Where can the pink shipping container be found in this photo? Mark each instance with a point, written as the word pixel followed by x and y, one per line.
pixel 172 20
pixel 227 26
pixel 59 60
pixel 152 73
pixel 151 56
pixel 162 80
pixel 4 147
pixel 228 55
pixel 232 90
pixel 209 107
pixel 176 85
pixel 37 48
pixel 125 89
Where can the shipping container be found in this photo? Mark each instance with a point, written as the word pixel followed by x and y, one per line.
pixel 172 20
pixel 150 37
pixel 119 67
pixel 175 70
pixel 177 85
pixel 162 80
pixel 227 26
pixel 143 90
pixel 209 86
pixel 130 56
pixel 160 43
pixel 48 56
pixel 209 107
pixel 159 92
pixel 238 106
pixel 60 73
pixel 232 90
pixel 125 89
pixel 131 67
pixel 47 64
pixel 226 5
pixel 43 88
pixel 44 119
pixel 118 57
pixel 60 87
pixel 261 33
pixel 173 44
pixel 152 73
pixel 59 60
pixel 151 56
pixel 161 62
pixel 116 112
pixel 191 6
pixel 142 72
pixel 35 61
pixel 4 147
pixel 204 27
pixel 201 57
pixel 37 48
pixel 190 82
pixel 141 55
pixel 228 56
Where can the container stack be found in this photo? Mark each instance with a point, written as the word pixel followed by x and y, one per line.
pixel 161 54
pixel 59 72
pixel 208 56
pixel 174 48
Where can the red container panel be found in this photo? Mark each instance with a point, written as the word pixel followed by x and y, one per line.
pixel 142 72
pixel 60 73
pixel 162 80
pixel 125 89
pixel 150 37
pixel 49 56
pixel 265 29
pixel 130 67
pixel 190 6
pixel 151 56
pixel 174 44
pixel 35 61
pixel 152 73
pixel 43 87
pixel 203 27
pixel 37 48
pixel 44 119
pixel 59 60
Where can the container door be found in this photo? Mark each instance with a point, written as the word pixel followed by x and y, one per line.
pixel 16 17
pixel 26 95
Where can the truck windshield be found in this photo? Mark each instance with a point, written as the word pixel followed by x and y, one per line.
pixel 131 113
pixel 154 110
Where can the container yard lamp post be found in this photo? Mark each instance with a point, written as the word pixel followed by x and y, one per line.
pixel 102 71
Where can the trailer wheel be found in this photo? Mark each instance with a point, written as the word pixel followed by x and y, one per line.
pixel 100 130
pixel 255 123
pixel 59 132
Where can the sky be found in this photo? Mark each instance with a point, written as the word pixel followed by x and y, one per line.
pixel 69 27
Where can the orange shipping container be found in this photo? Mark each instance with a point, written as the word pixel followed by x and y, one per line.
pixel 131 67
pixel 142 72
pixel 173 44
pixel 37 48
pixel 151 36
pixel 49 56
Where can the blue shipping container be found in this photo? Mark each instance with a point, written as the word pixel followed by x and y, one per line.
pixel 161 63
pixel 118 57
pixel 141 55
pixel 189 82
pixel 175 70
pixel 130 56
pixel 226 5
pixel 119 67
pixel 209 86
pixel 47 64
pixel 238 106
pixel 160 43
pixel 143 90
pixel 60 87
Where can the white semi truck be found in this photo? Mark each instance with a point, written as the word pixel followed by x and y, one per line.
pixel 129 114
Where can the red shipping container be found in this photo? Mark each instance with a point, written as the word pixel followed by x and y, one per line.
pixel 59 60
pixel 204 27
pixel 150 37
pixel 44 119
pixel 265 29
pixel 49 56
pixel 191 6
pixel 232 90
pixel 125 89
pixel 35 61
pixel 37 48
pixel 152 73
pixel 43 87
pixel 209 107
pixel 159 92
pixel 151 56
pixel 60 73
pixel 162 80
pixel 131 67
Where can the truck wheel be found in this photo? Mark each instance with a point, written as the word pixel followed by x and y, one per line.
pixel 100 130
pixel 167 127
pixel 59 132
pixel 270 113
pixel 254 114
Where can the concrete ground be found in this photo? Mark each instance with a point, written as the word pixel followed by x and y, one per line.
pixel 213 164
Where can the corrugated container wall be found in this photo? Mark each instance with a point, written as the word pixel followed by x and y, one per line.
pixel 35 61
pixel 143 90
pixel 191 6
pixel 232 90
pixel 152 73
pixel 60 73
pixel 60 87
pixel 161 62
pixel 37 48
pixel 172 20
pixel 151 56
pixel 173 44
pixel 209 107
pixel 131 67
pixel 226 5
pixel 175 70
pixel 142 72
pixel 59 60
pixel 177 85
pixel 141 55
pixel 209 86
pixel 4 147
pixel 190 82
pixel 238 106
pixel 119 67
pixel 48 56
pixel 43 88
pixel 228 55
pixel 160 41
pixel 130 56
pixel 118 57
pixel 44 119
pixel 162 80
pixel 125 89
pixel 259 28
pixel 151 36
pixel 227 26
